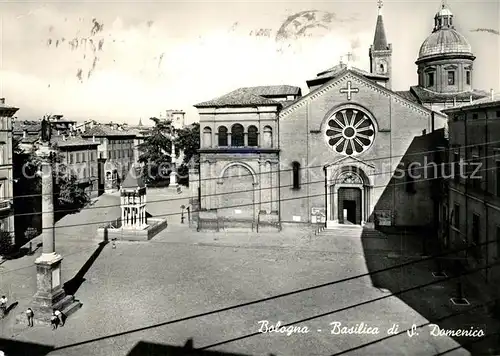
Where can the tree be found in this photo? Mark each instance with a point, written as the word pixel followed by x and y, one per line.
pixel 68 195
pixel 5 242
pixel 188 140
pixel 27 187
pixel 156 151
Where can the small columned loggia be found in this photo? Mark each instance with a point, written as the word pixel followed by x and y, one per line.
pixel 348 196
pixel 133 202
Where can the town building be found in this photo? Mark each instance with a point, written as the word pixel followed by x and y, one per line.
pixel 471 215
pixel 116 147
pixel 79 159
pixel 178 118
pixel 26 132
pixel 345 153
pixel 141 132
pixel 6 169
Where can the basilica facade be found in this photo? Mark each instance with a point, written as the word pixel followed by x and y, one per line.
pixel 350 151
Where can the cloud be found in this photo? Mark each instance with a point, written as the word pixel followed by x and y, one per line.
pixel 143 68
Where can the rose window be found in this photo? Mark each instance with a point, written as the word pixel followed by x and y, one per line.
pixel 350 131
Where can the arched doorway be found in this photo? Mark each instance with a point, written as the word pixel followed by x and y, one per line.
pixel 349 206
pixel 236 193
pixel 348 195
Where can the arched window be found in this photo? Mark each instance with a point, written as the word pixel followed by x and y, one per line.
pixel 207 137
pixel 253 140
pixel 267 140
pixel 237 136
pixel 223 136
pixel 296 175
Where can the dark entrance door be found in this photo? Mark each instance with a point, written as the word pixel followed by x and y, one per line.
pixel 349 206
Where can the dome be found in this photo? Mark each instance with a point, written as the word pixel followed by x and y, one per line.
pixel 444 12
pixel 445 41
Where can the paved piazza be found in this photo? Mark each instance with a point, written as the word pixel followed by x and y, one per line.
pixel 131 293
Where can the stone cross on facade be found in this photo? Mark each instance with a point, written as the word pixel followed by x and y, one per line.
pixel 349 90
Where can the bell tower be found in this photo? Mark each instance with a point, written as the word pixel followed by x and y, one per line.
pixel 380 51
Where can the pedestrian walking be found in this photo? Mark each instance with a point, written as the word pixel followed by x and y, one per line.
pixel 60 316
pixel 54 321
pixel 29 316
pixel 3 305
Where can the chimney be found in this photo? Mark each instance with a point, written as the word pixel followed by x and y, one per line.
pixel 25 132
pixel 492 94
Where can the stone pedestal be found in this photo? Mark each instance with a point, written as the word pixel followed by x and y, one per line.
pixel 49 293
pixel 173 180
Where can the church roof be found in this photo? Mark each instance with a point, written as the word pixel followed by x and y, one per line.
pixel 380 39
pixel 408 95
pixel 339 70
pixel 354 72
pixel 428 96
pixel 444 41
pixel 133 179
pixel 245 97
pixel 273 90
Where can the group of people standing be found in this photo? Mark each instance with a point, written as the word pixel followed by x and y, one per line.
pixel 56 319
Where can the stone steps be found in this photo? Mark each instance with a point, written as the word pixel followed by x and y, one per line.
pixel 67 305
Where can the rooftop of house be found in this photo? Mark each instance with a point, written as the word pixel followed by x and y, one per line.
pixel 492 100
pixel 31 126
pixel 106 131
pixel 251 96
pixel 71 141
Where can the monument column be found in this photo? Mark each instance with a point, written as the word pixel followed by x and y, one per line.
pixel 173 174
pixel 50 293
pixel 48 265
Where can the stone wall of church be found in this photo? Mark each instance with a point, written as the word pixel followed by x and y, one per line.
pixel 303 140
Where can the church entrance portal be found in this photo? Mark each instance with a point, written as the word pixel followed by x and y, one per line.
pixel 349 206
pixel 347 196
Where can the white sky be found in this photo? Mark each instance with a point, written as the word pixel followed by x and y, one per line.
pixel 206 49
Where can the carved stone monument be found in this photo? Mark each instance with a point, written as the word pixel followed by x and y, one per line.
pixel 50 293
